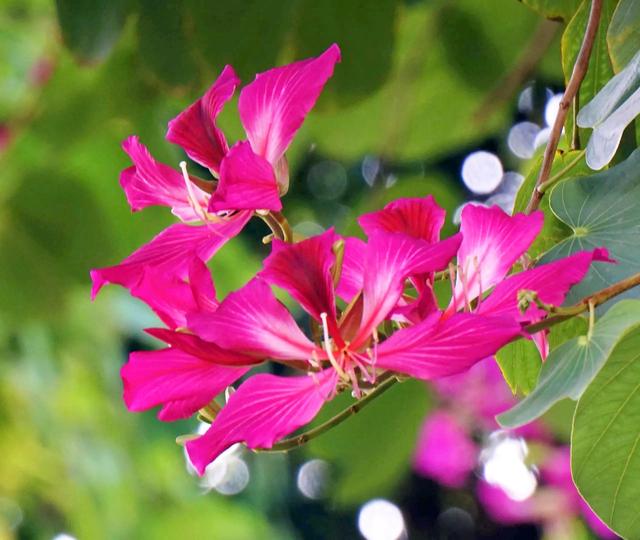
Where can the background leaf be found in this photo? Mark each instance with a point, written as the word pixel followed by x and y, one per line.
pixel 90 29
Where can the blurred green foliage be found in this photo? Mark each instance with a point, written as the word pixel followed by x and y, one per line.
pixel 77 77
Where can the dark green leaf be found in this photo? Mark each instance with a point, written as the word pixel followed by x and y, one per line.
pixel 365 33
pixel 164 47
pixel 605 449
pixel 91 28
pixel 248 34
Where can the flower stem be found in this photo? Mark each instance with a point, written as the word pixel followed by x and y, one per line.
pixel 279 226
pixel 303 438
pixel 561 314
pixel 577 76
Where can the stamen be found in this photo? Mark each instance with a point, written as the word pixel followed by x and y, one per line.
pixel 326 343
pixel 315 363
pixel 465 289
pixel 356 393
pixel 191 195
pixel 476 263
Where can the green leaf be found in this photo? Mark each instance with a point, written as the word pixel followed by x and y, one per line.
pixel 520 365
pixel 372 449
pixel 248 34
pixel 601 210
pixel 554 9
pixel 600 69
pixel 623 35
pixel 169 59
pixel 572 366
pixel 428 107
pixel 565 165
pixel 520 361
pixel 605 449
pixel 366 37
pixel 89 28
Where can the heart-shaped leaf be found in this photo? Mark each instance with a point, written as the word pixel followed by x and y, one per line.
pixel 601 210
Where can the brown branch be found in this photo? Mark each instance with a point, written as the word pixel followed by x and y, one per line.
pixel 577 76
pixel 562 314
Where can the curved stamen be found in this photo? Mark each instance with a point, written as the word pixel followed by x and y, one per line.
pixel 326 343
pixel 200 212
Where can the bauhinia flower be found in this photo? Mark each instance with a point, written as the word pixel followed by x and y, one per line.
pixel 349 351
pixel 492 243
pixel 376 332
pixel 248 177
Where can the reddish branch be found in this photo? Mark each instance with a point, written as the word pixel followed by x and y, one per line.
pixel 577 76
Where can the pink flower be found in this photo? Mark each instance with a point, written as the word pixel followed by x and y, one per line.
pixel 349 352
pixel 187 375
pixel 445 451
pixel 251 175
pixel 493 242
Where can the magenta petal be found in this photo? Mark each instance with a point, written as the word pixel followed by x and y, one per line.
pixel 390 259
pixel 195 346
pixel 445 452
pixel 303 270
pixel 551 281
pixel 438 348
pixel 172 251
pixel 169 296
pixel 352 274
pixel 202 288
pixel 264 409
pixel 274 105
pixel 247 182
pixel 181 382
pixel 150 183
pixel 492 242
pixel 419 218
pixel 195 128
pixel 252 321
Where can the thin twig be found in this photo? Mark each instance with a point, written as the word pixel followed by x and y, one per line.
pixel 562 314
pixel 577 76
pixel 299 440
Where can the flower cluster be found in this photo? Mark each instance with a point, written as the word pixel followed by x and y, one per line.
pixel 371 304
